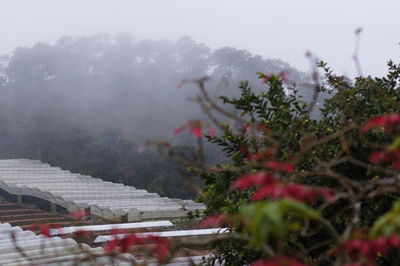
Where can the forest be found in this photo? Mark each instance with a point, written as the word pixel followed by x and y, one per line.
pixel 86 104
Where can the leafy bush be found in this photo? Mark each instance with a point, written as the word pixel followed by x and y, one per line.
pixel 321 190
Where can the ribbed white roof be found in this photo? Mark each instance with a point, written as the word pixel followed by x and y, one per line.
pixel 179 233
pixel 106 199
pixel 30 249
pixel 110 227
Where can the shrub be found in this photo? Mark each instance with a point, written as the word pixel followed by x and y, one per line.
pixel 316 189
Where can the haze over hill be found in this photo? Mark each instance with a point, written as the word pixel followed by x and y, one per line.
pixel 86 103
pixel 121 83
pixel 283 29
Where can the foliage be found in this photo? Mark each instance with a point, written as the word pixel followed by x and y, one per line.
pixel 341 170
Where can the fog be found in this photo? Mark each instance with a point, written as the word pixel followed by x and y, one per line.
pixel 84 83
pixel 273 29
pixel 88 103
pixel 120 82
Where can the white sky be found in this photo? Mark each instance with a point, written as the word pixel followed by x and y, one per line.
pixel 283 29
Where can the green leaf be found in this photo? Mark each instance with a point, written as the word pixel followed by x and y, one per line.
pixel 395 145
pixel 263 220
pixel 388 223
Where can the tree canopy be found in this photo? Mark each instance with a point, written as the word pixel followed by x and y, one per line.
pixel 87 103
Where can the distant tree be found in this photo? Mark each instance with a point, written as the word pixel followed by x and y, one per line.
pixel 86 103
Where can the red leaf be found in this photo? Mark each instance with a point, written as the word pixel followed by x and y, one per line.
pixel 387 121
pixel 262 127
pixel 274 165
pixel 196 131
pixel 394 241
pixel 377 157
pixel 33 227
pixel 179 130
pixel 375 122
pixel 44 230
pixel 212 132
pixel 162 247
pixel 111 245
pixel 396 164
pixel 393 118
pixel 247 128
pixel 284 76
pixel 327 194
pixel 294 191
pixel 299 192
pixel 165 144
pixel 255 157
pixel 127 242
pixel 80 234
pixel 195 128
pixel 118 231
pixel 78 214
pixel 267 191
pixel 249 180
pixel 355 248
pixel 358 249
pixel 265 78
pixel 287 167
pixel 123 244
pixel 269 152
pixel 383 156
pixel 278 166
pixel 381 245
pixel 212 221
pixel 243 149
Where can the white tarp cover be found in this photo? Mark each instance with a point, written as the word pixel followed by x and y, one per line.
pixel 27 248
pixel 72 191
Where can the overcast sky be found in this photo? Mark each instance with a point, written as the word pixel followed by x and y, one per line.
pixel 283 29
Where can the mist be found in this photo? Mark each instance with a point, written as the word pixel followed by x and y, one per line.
pixel 87 103
pixel 273 29
pixel 84 84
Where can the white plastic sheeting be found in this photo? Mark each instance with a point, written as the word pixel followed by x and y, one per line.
pixel 74 191
pixel 179 233
pixel 109 227
pixel 18 247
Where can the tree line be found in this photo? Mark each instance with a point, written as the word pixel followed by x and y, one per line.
pixel 87 103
